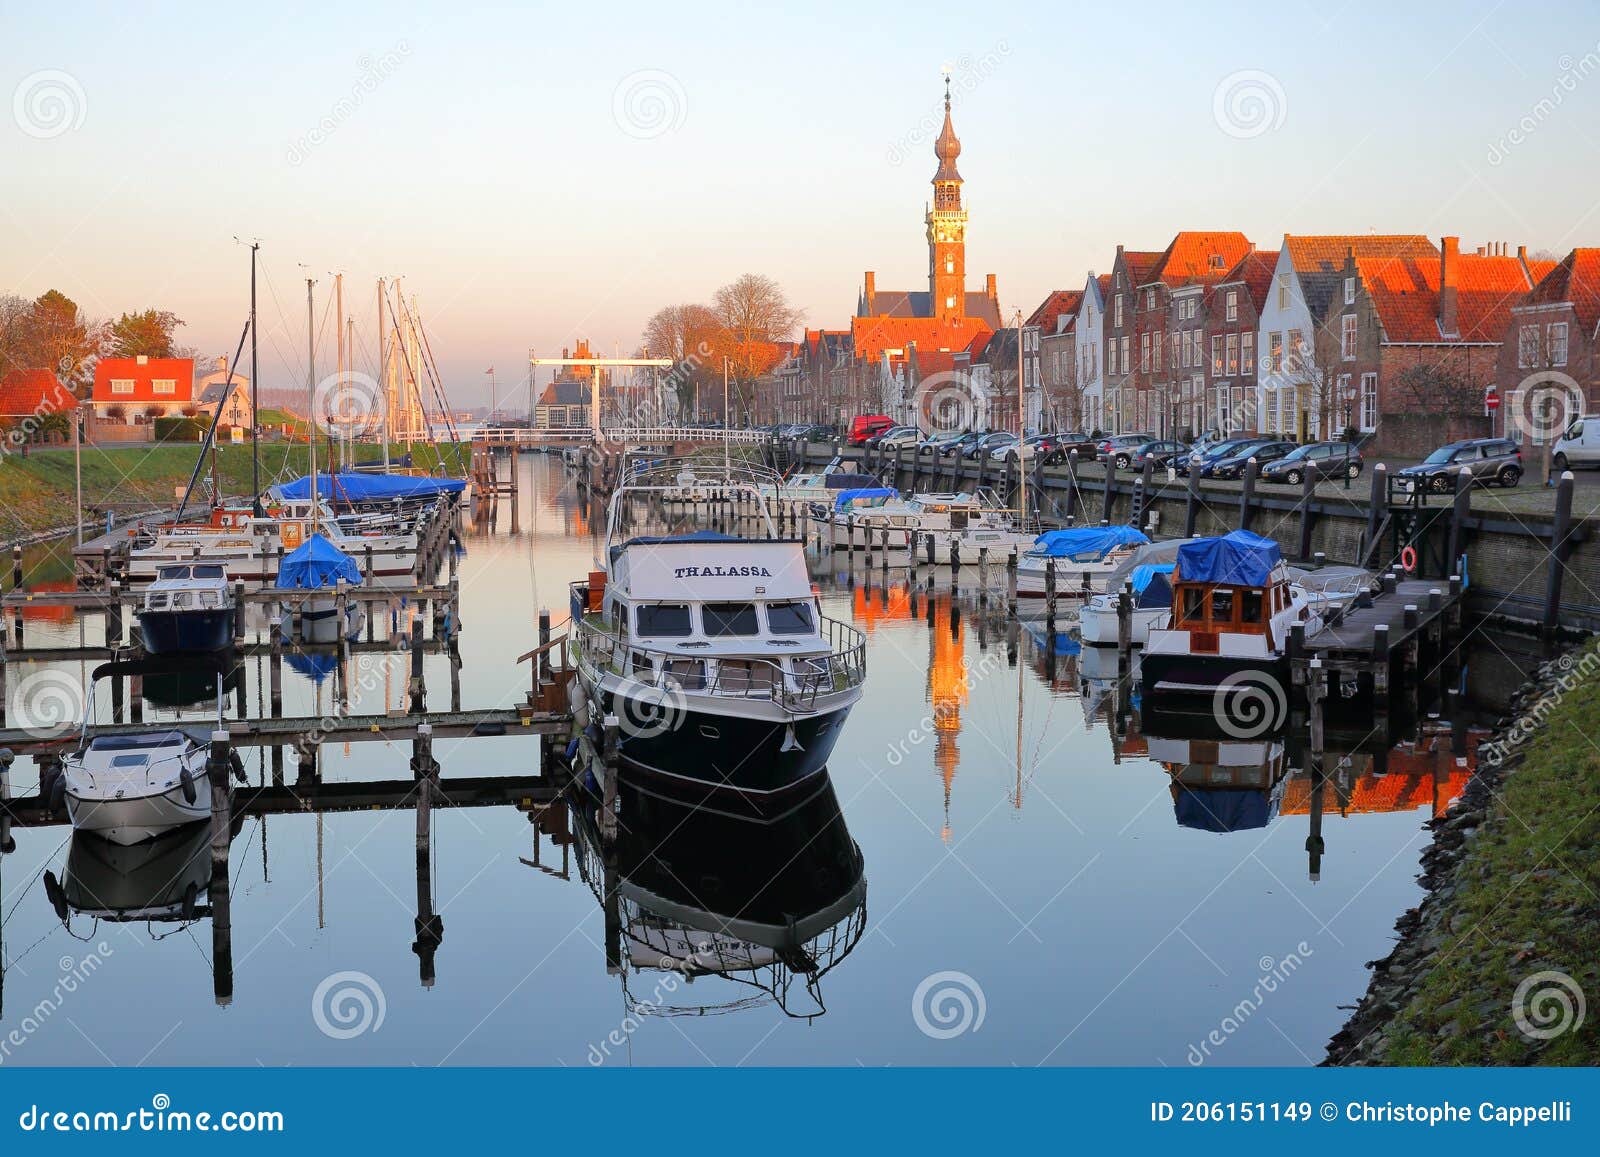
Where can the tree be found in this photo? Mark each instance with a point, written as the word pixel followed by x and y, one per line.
pixel 147 334
pixel 755 316
pixel 59 338
pixel 693 337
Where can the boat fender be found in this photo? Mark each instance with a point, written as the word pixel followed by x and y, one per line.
pixel 191 893
pixel 237 763
pixel 58 793
pixel 186 779
pixel 572 748
pixel 57 896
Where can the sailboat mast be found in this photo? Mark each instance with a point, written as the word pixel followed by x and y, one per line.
pixel 255 377
pixel 344 385
pixel 311 399
pixel 383 376
pixel 1022 465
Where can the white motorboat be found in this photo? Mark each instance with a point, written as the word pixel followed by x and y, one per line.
pixel 713 653
pixel 131 788
pixel 1084 558
pixel 189 608
pixel 846 521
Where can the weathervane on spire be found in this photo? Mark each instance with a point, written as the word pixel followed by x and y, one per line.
pixel 945 72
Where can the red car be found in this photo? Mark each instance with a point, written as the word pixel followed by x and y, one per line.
pixel 866 426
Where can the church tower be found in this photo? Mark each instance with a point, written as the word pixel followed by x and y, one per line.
pixel 947 226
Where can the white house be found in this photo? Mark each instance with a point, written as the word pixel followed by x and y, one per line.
pixel 1090 329
pixel 1307 275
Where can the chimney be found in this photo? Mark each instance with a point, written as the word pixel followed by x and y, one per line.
pixel 1449 259
pixel 871 292
pixel 990 289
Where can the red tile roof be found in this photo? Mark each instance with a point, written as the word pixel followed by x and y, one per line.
pixel 1254 271
pixel 179 371
pixel 30 393
pixel 1047 316
pixel 1405 292
pixel 1576 279
pixel 1189 258
pixel 1325 253
pixel 873 335
pixel 1141 264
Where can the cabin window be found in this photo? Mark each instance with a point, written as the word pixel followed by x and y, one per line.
pixel 641 665
pixel 1194 605
pixel 208 572
pixel 663 621
pixel 725 619
pixel 789 618
pixel 1250 607
pixel 690 674
pixel 745 677
pixel 1221 606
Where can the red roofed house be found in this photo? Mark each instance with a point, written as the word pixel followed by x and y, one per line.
pixel 1425 337
pixel 1225 353
pixel 1126 410
pixel 33 408
pixel 1553 337
pixel 1056 319
pixel 131 393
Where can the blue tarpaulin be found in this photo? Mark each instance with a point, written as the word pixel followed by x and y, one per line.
pixel 346 486
pixel 1152 584
pixel 1240 558
pixel 317 563
pixel 1227 809
pixel 1085 540
pixel 846 497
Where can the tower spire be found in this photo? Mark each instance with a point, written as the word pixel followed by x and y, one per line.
pixel 947 225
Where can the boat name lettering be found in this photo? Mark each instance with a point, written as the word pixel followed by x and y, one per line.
pixel 721 572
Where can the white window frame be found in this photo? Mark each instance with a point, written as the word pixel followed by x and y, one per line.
pixel 166 387
pixel 1349 290
pixel 122 387
pixel 1247 352
pixel 1347 337
pixel 1233 305
pixel 1369 403
pixel 1557 342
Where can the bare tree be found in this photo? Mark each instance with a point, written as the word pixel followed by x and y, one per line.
pixel 755 316
pixel 692 336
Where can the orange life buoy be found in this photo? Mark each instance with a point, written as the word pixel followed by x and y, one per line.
pixel 1408 559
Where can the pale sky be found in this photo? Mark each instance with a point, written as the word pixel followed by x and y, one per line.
pixel 542 172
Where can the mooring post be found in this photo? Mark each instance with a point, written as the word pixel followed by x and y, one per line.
pixel 217 766
pixel 955 555
pixel 1072 484
pixel 1380 658
pixel 1147 480
pixel 1560 549
pixel 1109 497
pixel 1308 497
pixel 16 589
pixel 983 574
pixel 113 616
pixel 1460 510
pixel 1050 592
pixel 1124 623
pixel 238 611
pixel 275 662
pixel 928 543
pixel 1191 507
pixel 1316 693
pixel 1377 509
pixel 885 543
pixel 1247 493
pixel 418 692
pixel 608 779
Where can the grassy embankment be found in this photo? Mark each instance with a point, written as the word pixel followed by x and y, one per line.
pixel 36 492
pixel 1524 899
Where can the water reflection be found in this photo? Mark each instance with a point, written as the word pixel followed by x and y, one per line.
pixel 692 893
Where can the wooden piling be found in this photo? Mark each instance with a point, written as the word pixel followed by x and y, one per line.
pixel 1247 493
pixel 608 779
pixel 1560 550
pixel 1191 509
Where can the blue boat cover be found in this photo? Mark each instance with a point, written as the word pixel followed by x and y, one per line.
pixel 347 486
pixel 1240 558
pixel 1085 540
pixel 314 666
pixel 1152 584
pixel 1228 809
pixel 317 563
pixel 846 497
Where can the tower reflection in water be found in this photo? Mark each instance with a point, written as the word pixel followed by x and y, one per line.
pixel 765 909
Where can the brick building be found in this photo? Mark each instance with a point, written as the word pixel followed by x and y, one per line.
pixel 1552 341
pixel 1230 316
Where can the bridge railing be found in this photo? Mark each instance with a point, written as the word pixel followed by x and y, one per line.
pixel 580 435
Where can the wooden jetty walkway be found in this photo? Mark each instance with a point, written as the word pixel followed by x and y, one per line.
pixel 1366 637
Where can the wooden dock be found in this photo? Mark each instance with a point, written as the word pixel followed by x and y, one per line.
pixel 1369 636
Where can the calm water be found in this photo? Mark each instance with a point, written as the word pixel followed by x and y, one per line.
pixel 1029 858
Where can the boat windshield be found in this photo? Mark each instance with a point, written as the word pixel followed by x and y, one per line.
pixel 729 619
pixel 789 618
pixel 168 573
pixel 663 620
pixel 208 571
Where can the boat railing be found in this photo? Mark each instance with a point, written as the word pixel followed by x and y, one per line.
pixel 796 688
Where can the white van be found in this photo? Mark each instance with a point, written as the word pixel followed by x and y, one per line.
pixel 1579 444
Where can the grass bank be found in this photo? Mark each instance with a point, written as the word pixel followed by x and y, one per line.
pixel 1501 964
pixel 36 492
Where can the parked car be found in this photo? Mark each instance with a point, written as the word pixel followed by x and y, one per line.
pixel 1161 453
pixel 1579 444
pixel 1318 459
pixel 958 446
pixel 865 426
pixel 986 443
pixel 1233 465
pixel 1491 460
pixel 1120 449
pixel 900 436
pixel 872 440
pixel 1012 448
pixel 1197 459
pixel 939 440
pixel 1060 445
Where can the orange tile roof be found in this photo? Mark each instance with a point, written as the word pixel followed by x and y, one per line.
pixel 1254 271
pixel 1047 316
pixel 873 335
pixel 26 393
pixel 1395 792
pixel 1141 264
pixel 1576 278
pixel 1325 253
pixel 1406 294
pixel 1188 258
